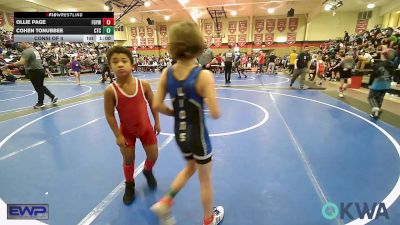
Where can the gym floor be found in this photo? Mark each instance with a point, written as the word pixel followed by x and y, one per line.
pixel 279 156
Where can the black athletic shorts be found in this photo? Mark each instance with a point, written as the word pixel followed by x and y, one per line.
pixel 344 74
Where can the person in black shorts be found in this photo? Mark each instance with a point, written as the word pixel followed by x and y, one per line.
pixel 32 62
pixel 346 67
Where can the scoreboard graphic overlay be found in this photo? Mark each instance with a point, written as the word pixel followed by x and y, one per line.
pixel 64 27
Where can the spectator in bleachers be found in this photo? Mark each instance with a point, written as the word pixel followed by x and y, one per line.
pixel 105 68
pixel 364 60
pixel 346 37
pixel 46 68
pixel 63 65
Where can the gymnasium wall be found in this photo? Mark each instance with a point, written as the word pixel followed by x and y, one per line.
pixel 325 26
pixel 253 27
pixel 390 15
pixel 6 19
pixel 251 32
pixel 131 36
pixel 391 19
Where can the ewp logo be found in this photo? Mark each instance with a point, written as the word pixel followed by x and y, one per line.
pixel 330 210
pixel 27 211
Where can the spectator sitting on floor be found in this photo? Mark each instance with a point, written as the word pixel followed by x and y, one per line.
pixel 7 76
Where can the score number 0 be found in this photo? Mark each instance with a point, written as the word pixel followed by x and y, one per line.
pixel 108 21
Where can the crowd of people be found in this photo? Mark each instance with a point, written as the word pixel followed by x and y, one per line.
pixel 375 52
pixel 335 60
pixel 370 52
pixel 355 52
pixel 152 63
pixel 260 61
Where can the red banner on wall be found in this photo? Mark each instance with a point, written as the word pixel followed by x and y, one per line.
pixel 208 28
pixel 361 26
pixel 259 25
pixel 143 42
pixel 242 39
pixel 2 19
pixel 150 31
pixel 209 40
pixel 291 38
pixel 293 22
pixel 217 41
pixel 258 39
pixel 150 42
pixel 232 26
pixel 281 25
pixel 232 40
pixel 10 17
pixel 243 26
pixel 270 25
pixel 142 32
pixel 164 42
pixel 163 30
pixel 133 31
pixel 134 42
pixel 269 39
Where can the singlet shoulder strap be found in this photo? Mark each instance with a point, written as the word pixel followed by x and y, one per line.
pixel 116 92
pixel 140 85
pixel 194 74
pixel 170 73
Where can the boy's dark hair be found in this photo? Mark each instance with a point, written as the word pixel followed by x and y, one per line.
pixel 116 50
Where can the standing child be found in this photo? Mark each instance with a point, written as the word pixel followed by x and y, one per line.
pixel 128 95
pixel 190 87
pixel 313 67
pixel 320 70
pixel 76 68
pixel 243 64
pixel 383 72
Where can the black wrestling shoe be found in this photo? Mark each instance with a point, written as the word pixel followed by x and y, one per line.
pixel 129 195
pixel 151 180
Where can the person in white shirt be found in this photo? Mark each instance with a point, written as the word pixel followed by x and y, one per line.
pixel 236 50
pixel 364 59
